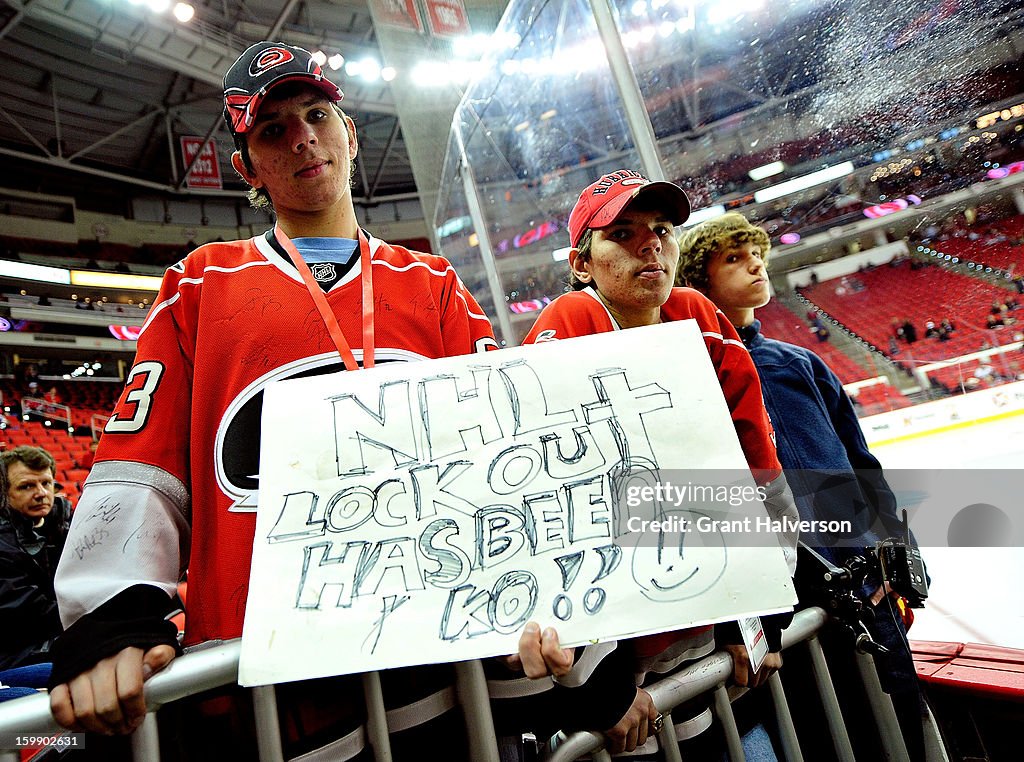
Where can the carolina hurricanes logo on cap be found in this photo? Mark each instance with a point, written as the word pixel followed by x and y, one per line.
pixel 623 177
pixel 268 59
pixel 240 110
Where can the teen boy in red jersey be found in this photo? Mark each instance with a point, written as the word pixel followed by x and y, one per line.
pixel 622 269
pixel 174 483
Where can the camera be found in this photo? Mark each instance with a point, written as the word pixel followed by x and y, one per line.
pixel 902 567
pixel 836 584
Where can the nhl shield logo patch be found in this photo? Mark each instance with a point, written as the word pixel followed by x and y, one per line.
pixel 323 271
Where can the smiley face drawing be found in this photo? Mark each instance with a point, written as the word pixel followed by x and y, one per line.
pixel 674 561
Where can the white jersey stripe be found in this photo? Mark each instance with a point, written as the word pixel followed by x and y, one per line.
pixel 439 273
pixel 721 338
pixel 474 315
pixel 157 308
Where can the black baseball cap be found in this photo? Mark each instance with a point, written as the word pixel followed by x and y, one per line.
pixel 261 67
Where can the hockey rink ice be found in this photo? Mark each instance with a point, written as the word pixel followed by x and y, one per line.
pixel 977 594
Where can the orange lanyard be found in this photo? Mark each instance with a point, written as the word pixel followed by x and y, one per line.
pixel 320 299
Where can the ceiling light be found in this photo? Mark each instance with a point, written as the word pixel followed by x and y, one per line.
pixel 429 73
pixel 369 70
pixel 320 57
pixel 184 12
pixel 336 61
pixel 707 213
pixel 115 280
pixel 806 181
pixel 471 46
pixel 767 170
pixel 28 271
pixel 158 6
pixel 388 73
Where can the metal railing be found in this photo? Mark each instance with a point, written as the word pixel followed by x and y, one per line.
pixel 97 421
pixel 216 665
pixel 48 411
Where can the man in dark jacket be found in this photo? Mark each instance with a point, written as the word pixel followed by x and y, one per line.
pixel 33 527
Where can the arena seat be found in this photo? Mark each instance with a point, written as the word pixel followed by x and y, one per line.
pixel 897 292
pixel 997 247
pixel 778 322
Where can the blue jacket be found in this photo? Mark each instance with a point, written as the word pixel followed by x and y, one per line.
pixel 820 443
pixel 833 474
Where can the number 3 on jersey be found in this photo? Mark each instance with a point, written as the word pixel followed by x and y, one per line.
pixel 144 377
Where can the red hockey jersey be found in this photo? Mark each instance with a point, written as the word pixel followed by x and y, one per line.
pixel 581 313
pixel 176 473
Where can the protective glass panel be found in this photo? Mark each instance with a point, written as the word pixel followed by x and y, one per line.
pixel 879 145
pixel 538 125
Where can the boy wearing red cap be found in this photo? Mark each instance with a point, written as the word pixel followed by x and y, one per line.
pixel 175 480
pixel 622 268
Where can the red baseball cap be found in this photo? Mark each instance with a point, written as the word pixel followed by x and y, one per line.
pixel 601 203
pixel 261 67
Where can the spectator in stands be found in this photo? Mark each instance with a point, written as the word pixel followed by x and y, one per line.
pixel 179 433
pixel 52 396
pixel 984 371
pixel 909 331
pixel 931 331
pixel 947 325
pixel 30 378
pixel 621 270
pixel 817 432
pixel 33 527
pixel 85 460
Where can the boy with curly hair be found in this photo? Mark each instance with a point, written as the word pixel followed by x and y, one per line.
pixel 817 432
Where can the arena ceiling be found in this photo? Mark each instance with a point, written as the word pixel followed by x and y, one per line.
pixel 106 88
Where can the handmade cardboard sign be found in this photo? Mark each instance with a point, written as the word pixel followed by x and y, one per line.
pixel 425 512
